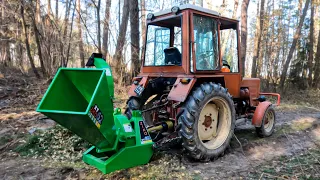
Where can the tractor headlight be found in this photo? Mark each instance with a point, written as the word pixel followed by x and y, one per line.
pixel 150 16
pixel 175 9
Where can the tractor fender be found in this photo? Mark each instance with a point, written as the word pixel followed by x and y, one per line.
pixel 181 89
pixel 138 81
pixel 259 113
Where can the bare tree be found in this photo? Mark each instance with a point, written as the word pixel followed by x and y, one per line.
pixel 316 81
pixel 57 9
pixel 65 29
pixel 38 44
pixel 24 28
pixel 121 38
pixel 105 39
pixel 5 45
pixel 293 45
pixel 81 50
pixel 311 52
pixel 244 33
pixel 135 45
pixel 38 16
pixel 70 36
pixel 143 25
pixel 98 6
pixel 258 37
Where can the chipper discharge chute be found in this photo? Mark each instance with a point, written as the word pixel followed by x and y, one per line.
pixel 81 100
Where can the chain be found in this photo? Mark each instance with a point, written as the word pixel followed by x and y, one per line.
pixel 166 143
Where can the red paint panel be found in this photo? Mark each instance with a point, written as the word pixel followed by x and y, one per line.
pixel 143 82
pixel 253 84
pixel 180 91
pixel 259 113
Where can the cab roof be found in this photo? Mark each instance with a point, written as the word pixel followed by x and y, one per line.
pixel 187 6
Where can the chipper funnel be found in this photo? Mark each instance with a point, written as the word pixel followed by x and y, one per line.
pixel 76 99
pixel 80 99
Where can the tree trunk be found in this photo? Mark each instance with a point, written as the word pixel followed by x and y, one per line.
pixel 105 40
pixel 81 50
pixel 256 45
pixel 38 16
pixel 49 8
pixel 244 33
pixel 122 36
pixel 36 35
pixel 70 34
pixel 316 81
pixel 99 26
pixel 263 48
pixel 57 9
pixel 65 28
pixel 24 28
pixel 143 27
pixel 257 57
pixel 135 45
pixel 293 46
pixel 19 48
pixel 311 52
pixel 5 56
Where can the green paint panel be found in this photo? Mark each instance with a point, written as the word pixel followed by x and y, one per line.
pixel 101 63
pixel 130 151
pixel 69 100
pixel 126 158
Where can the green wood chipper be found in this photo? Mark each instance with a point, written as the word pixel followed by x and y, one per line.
pixel 81 100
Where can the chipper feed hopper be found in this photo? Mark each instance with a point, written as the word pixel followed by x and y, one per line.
pixel 81 100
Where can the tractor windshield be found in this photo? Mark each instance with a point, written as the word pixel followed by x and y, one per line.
pixel 163 45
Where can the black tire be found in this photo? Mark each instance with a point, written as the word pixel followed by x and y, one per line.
pixel 132 104
pixel 189 117
pixel 264 131
pixel 135 104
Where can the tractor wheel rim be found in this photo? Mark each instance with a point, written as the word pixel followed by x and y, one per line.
pixel 269 121
pixel 213 135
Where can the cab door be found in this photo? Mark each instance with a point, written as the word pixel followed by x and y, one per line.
pixel 204 44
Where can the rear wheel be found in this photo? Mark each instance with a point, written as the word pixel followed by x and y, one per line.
pixel 207 121
pixel 268 123
pixel 135 104
pixel 132 104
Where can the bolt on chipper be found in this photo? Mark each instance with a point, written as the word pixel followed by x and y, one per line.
pixel 189 92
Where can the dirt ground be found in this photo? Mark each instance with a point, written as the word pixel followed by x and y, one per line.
pixel 34 147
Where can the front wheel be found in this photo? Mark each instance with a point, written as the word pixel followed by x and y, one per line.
pixel 207 121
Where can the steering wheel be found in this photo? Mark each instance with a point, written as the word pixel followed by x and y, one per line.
pixel 205 63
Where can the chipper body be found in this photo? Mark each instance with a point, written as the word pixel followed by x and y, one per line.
pixel 81 100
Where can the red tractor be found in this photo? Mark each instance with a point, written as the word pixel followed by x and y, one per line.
pixel 190 86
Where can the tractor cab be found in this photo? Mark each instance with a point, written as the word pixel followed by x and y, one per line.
pixel 189 39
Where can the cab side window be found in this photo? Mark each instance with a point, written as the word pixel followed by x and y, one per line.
pixel 229 49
